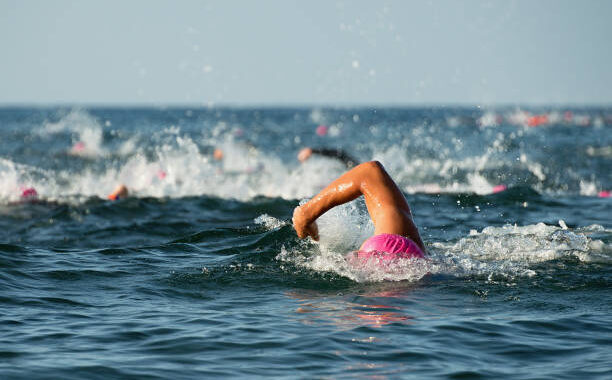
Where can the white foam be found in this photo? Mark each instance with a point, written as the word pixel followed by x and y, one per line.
pixel 87 133
pixel 247 171
pixel 15 177
pixel 439 175
pixel 495 252
pixel 11 180
pixel 512 249
pixel 270 222
pixel 588 188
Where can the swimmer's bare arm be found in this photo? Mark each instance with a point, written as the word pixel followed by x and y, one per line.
pixel 386 204
pixel 120 192
pixel 338 154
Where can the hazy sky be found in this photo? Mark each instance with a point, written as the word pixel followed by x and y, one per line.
pixel 306 52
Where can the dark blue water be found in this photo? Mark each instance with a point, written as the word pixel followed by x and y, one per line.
pixel 198 273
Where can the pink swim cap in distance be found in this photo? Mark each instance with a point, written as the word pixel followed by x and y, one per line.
pixel 499 188
pixel 78 146
pixel 390 247
pixel 29 193
pixel 321 130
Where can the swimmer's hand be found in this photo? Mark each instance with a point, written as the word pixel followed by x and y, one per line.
pixel 302 227
pixel 304 154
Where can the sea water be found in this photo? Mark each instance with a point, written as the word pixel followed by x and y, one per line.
pixel 198 273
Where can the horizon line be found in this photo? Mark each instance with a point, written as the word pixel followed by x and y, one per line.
pixel 212 105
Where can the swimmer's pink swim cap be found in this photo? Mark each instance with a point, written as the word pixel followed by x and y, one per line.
pixel 28 193
pixel 604 194
pixel 78 146
pixel 390 247
pixel 499 188
pixel 322 130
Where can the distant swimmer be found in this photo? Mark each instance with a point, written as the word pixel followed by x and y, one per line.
pixel 120 192
pixel 499 188
pixel 338 154
pixel 78 148
pixel 537 120
pixel 395 234
pixel 28 194
pixel 322 130
pixel 218 154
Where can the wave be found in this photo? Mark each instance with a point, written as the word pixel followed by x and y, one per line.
pixel 227 245
pixel 87 156
pixel 495 253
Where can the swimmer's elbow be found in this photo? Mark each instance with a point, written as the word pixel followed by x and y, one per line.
pixel 373 167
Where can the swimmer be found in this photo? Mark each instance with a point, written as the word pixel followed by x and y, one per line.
pixel 78 148
pixel 120 192
pixel 322 130
pixel 218 154
pixel 339 154
pixel 395 234
pixel 28 194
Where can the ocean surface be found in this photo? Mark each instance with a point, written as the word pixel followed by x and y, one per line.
pixel 199 273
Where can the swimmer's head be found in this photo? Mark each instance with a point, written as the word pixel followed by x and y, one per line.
pixel 28 194
pixel 120 192
pixel 79 146
pixel 304 154
pixel 321 130
pixel 218 154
